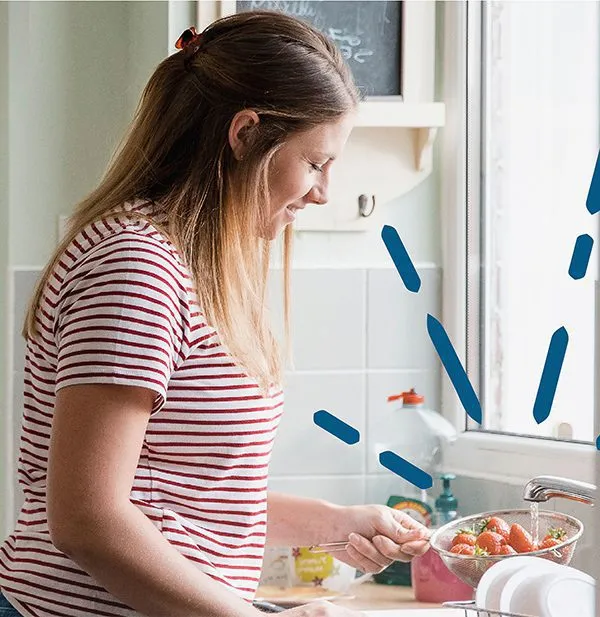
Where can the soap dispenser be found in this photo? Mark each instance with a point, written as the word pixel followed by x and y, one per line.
pixel 446 504
pixel 431 580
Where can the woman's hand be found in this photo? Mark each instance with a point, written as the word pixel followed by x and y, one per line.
pixel 321 609
pixel 381 536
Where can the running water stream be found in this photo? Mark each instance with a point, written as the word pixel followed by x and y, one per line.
pixel 535 524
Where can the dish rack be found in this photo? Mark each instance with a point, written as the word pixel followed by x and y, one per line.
pixel 471 610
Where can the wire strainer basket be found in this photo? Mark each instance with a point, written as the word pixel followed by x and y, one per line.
pixel 470 569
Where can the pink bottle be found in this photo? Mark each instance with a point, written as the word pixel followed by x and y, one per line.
pixel 433 582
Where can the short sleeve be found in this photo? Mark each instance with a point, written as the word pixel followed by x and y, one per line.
pixel 123 317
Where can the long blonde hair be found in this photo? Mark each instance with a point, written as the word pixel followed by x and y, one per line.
pixel 177 154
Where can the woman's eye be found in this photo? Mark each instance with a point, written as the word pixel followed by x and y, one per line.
pixel 317 167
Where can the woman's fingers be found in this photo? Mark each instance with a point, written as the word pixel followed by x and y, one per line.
pixel 390 549
pixel 366 554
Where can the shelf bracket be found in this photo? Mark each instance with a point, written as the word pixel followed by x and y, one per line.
pixel 424 138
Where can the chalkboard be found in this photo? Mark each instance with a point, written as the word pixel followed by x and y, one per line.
pixel 369 34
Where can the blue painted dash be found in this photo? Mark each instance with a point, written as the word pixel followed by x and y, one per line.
pixel 598 442
pixel 399 254
pixel 454 368
pixel 581 256
pixel 338 428
pixel 593 199
pixel 404 469
pixel 550 375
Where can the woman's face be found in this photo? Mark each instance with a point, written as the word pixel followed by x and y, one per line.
pixel 299 171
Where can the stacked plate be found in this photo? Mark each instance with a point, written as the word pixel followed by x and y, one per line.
pixel 527 585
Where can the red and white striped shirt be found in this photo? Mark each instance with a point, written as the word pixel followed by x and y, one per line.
pixel 119 308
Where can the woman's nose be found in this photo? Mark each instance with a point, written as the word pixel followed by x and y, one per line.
pixel 319 194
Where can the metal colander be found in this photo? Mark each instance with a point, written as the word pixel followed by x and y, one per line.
pixel 470 569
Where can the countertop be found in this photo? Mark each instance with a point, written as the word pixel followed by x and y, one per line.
pixel 371 596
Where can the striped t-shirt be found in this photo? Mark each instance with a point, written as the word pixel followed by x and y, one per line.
pixel 119 308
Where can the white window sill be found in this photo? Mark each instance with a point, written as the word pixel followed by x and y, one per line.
pixel 515 460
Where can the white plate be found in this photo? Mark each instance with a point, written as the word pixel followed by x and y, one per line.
pixel 564 592
pixel 534 571
pixel 420 612
pixel 493 581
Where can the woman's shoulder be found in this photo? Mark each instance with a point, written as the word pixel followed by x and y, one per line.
pixel 123 245
pixel 130 233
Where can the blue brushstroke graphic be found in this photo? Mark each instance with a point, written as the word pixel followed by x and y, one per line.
pixel 454 368
pixel 550 375
pixel 581 256
pixel 593 199
pixel 406 470
pixel 598 442
pixel 401 258
pixel 338 428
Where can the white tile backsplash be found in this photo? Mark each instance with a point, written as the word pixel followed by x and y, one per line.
pixel 24 282
pixel 397 335
pixel 334 312
pixel 382 486
pixel 344 490
pixel 328 317
pixel 18 401
pixel 301 446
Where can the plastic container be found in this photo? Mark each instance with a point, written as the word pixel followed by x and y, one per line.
pixel 430 578
pixel 399 573
pixel 446 504
pixel 417 434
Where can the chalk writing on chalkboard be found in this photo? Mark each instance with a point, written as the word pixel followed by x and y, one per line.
pixel 368 33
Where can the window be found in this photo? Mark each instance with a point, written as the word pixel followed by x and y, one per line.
pixel 534 113
pixel 518 153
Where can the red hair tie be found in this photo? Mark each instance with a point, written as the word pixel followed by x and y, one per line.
pixel 190 40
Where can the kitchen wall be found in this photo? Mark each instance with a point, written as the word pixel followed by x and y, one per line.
pixel 358 335
pixel 70 77
pixel 355 336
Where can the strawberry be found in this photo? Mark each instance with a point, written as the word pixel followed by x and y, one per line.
pixel 554 536
pixel 507 549
pixel 520 539
pixel 548 543
pixel 464 537
pixel 491 542
pixel 556 533
pixel 463 549
pixel 496 524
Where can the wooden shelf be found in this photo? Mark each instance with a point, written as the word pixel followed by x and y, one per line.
pixel 424 118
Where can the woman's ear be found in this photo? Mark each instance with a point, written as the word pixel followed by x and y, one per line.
pixel 240 131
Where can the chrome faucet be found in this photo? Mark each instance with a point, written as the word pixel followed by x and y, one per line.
pixel 544 488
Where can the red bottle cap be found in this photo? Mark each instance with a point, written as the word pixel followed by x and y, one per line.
pixel 409 398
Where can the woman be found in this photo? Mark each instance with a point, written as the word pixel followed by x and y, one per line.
pixel 152 387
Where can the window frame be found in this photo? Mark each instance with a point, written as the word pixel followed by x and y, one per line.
pixel 504 457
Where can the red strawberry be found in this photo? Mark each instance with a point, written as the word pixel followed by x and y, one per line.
pixel 520 539
pixel 496 524
pixel 464 537
pixel 491 542
pixel 548 543
pixel 507 549
pixel 463 549
pixel 556 533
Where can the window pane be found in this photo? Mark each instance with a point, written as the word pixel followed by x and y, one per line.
pixel 540 139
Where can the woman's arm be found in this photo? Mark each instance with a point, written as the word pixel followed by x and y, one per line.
pixel 301 521
pixel 97 435
pixel 376 535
